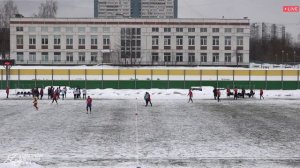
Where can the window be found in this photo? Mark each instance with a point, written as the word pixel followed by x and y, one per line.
pixel 31 29
pixel 203 57
pixel 56 40
pixel 69 40
pixel 154 57
pixel 179 29
pixel 191 57
pixel 240 30
pixel 191 29
pixel 167 57
pixel 56 29
pixel 239 41
pixel 240 57
pixel 94 29
pixel 81 40
pixel 155 40
pixel 227 57
pixel 215 57
pixel 155 29
pixel 215 40
pixel 20 56
pixel 32 56
pixel 69 57
pixel 94 56
pixel 167 29
pixel 44 40
pixel 179 57
pixel 167 40
pixel 44 29
pixel 106 29
pixel 203 40
pixel 81 29
pixel 179 40
pixel 203 30
pixel 32 40
pixel 19 39
pixel 227 41
pixel 57 57
pixel 19 29
pixel 191 40
pixel 81 57
pixel 227 30
pixel 94 40
pixel 45 57
pixel 215 30
pixel 69 29
pixel 106 40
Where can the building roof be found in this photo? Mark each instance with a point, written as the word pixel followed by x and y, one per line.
pixel 131 21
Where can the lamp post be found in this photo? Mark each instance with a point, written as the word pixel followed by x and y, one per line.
pixel 294 57
pixel 287 58
pixel 282 56
pixel 276 58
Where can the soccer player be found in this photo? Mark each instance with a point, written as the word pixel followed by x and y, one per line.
pixel 190 94
pixel 35 102
pixel 89 105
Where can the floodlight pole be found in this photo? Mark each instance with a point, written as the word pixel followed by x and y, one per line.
pixel 7 83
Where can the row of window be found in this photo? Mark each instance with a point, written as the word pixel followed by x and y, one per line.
pixel 155 40
pixel 155 57
pixel 203 40
pixel 202 30
pixel 107 29
pixel 57 57
pixel 191 57
pixel 57 40
pixel 66 29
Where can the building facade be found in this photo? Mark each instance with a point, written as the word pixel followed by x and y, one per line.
pixel 130 41
pixel 112 8
pixel 135 8
pixel 267 31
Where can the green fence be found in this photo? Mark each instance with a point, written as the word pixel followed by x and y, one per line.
pixel 147 84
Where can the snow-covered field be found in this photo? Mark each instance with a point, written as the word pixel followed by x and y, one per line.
pixel 171 134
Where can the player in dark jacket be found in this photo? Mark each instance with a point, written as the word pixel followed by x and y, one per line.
pixel 89 105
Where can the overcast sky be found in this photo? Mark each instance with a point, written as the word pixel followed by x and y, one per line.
pixel 257 10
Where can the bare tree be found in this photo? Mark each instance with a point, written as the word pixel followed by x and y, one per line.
pixel 7 10
pixel 48 9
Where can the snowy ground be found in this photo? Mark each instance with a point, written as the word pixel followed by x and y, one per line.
pixel 171 134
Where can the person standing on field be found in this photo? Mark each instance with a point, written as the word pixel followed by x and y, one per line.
pixel 243 93
pixel 235 93
pixel 147 99
pixel 218 95
pixel 228 92
pixel 55 97
pixel 261 94
pixel 35 102
pixel 215 93
pixel 190 94
pixel 84 93
pixel 7 92
pixel 89 105
pixel 41 93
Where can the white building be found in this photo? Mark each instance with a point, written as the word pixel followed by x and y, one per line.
pixel 135 8
pixel 159 8
pixel 130 41
pixel 112 8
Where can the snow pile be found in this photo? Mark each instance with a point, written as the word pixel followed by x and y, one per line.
pixel 205 93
